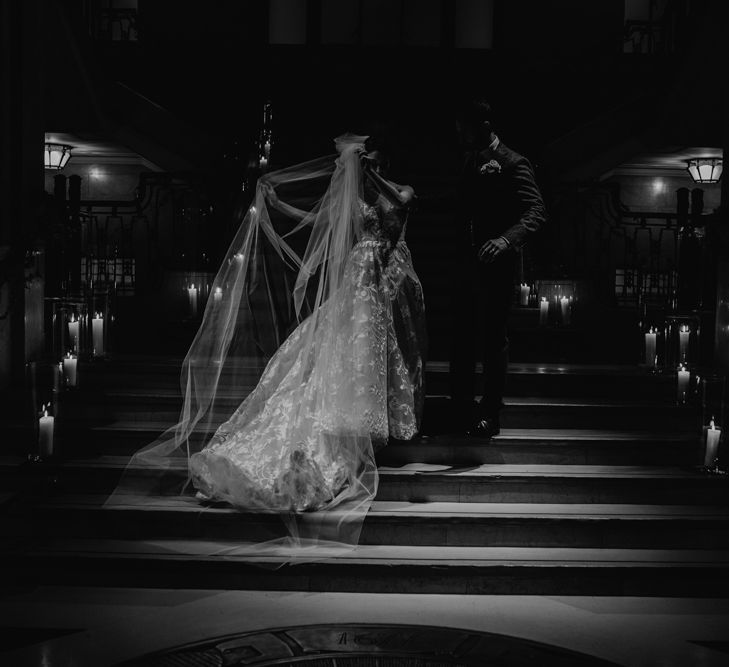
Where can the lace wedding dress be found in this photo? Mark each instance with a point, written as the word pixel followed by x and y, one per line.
pixel 307 359
pixel 284 448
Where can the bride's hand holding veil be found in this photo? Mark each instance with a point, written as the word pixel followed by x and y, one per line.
pixel 399 195
pixel 269 193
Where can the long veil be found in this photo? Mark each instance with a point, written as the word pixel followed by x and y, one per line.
pixel 285 270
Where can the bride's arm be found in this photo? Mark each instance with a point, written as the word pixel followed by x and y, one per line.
pixel 270 195
pixel 400 195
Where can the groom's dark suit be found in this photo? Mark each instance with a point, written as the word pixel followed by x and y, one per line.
pixel 497 197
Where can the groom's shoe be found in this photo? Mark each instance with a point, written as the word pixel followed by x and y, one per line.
pixel 487 427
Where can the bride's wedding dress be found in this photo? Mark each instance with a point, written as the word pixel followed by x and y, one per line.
pixel 286 446
pixel 308 358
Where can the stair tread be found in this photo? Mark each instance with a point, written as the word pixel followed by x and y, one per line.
pixel 555 369
pixel 425 471
pixel 453 510
pixel 437 366
pixel 505 435
pixel 579 471
pixel 509 401
pixel 399 554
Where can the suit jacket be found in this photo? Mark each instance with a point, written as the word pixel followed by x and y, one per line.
pixel 498 196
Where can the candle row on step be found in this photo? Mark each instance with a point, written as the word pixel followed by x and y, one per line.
pixel 562 310
pixel 196 296
pixel 527 295
pixel 651 345
pixel 97 334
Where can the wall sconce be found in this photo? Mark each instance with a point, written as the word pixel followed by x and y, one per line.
pixel 705 170
pixel 55 156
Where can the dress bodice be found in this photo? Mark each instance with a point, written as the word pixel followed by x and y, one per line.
pixel 382 221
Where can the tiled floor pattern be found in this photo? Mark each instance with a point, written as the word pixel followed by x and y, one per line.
pixel 64 627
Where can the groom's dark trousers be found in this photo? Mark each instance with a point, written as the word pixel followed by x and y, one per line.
pixel 497 197
pixel 480 315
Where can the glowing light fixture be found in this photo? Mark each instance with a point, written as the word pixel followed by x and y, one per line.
pixel 705 169
pixel 55 156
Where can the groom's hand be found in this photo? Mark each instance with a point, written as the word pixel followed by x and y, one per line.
pixel 492 249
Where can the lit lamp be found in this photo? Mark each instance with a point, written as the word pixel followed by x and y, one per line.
pixel 55 156
pixel 705 169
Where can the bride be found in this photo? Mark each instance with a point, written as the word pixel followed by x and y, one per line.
pixel 317 304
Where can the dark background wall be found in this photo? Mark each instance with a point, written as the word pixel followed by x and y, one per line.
pixel 571 91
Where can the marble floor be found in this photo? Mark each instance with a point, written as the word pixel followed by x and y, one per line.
pixel 64 627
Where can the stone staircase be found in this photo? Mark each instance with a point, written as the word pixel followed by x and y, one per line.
pixel 592 488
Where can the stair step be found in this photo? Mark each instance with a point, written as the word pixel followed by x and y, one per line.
pixel 497 483
pixel 81 410
pixel 552 484
pixel 572 413
pixel 511 446
pixel 517 446
pixel 378 569
pixel 557 379
pixel 524 379
pixel 416 524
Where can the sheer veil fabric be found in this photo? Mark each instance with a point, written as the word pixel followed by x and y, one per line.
pixel 307 360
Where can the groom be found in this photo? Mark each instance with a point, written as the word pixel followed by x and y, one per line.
pixel 499 208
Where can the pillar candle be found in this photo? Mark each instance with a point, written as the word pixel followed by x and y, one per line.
pixel 650 348
pixel 683 377
pixel 543 312
pixel 524 290
pixel 70 368
pixel 713 435
pixel 73 333
pixel 566 309
pixel 97 334
pixel 45 434
pixel 192 296
pixel 683 340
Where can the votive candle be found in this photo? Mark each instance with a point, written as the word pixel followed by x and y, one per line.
pixel 70 369
pixel 682 378
pixel 543 312
pixel 192 296
pixel 45 434
pixel 524 290
pixel 650 348
pixel 97 334
pixel 73 333
pixel 566 309
pixel 713 435
pixel 683 341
